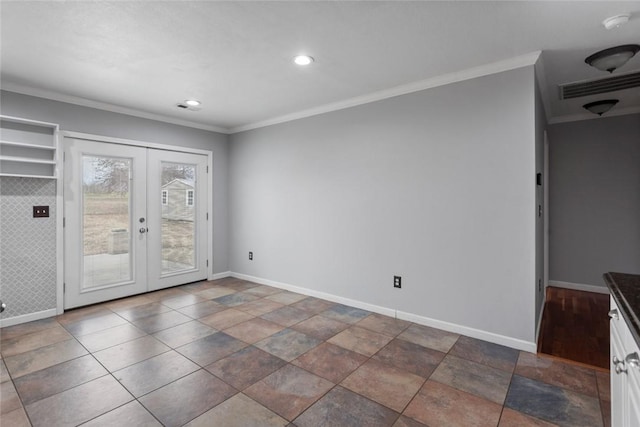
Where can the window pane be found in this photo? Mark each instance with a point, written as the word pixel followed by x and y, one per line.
pixel 106 220
pixel 178 217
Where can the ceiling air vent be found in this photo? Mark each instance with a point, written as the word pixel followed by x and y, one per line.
pixel 604 85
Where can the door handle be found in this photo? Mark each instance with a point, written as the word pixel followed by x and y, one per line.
pixel 143 230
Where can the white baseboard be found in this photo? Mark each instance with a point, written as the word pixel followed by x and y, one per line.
pixel 217 276
pixel 27 317
pixel 318 294
pixel 446 326
pixel 579 287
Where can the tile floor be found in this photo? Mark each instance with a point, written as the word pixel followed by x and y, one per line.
pixel 235 353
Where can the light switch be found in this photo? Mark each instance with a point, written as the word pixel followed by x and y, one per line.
pixel 41 211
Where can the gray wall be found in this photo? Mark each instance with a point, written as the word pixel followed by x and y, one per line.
pixel 594 198
pixel 434 186
pixel 541 125
pixel 99 122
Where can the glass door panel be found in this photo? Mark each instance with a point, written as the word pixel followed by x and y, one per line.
pixel 106 217
pixel 178 206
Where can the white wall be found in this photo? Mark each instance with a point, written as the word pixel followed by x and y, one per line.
pixel 99 122
pixel 434 186
pixel 594 199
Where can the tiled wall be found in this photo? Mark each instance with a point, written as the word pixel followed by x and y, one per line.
pixel 27 246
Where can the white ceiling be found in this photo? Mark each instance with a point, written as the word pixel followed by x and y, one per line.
pixel 236 57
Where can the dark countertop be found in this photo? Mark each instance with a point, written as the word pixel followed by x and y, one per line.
pixel 625 289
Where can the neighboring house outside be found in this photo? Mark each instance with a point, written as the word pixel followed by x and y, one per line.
pixel 178 200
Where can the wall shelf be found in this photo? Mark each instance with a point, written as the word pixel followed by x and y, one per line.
pixel 28 148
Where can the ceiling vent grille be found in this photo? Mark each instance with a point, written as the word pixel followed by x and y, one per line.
pixel 604 85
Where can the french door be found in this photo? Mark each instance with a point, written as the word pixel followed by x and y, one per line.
pixel 135 220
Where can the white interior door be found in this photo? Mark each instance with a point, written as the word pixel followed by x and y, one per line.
pixel 135 220
pixel 177 214
pixel 104 200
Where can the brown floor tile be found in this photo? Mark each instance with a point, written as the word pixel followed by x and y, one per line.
pixel 389 386
pixel 94 324
pixel 253 330
pixel 239 411
pixel 241 285
pixel 245 367
pixel 202 309
pixel 429 337
pixel 109 337
pixel 154 373
pixel 189 397
pixel 142 311
pixel 43 357
pixel 405 421
pixel 79 404
pixel 410 357
pixel 288 344
pixel 320 327
pixel 131 352
pixel 10 332
pixel 557 373
pixel 166 293
pixel 162 321
pixel 16 418
pixel 183 334
pixel 55 379
pixel 83 313
pixel 126 303
pixel 487 353
pixel 192 288
pixel 4 372
pixel 346 314
pixel 384 324
pixel 511 418
pixel 9 400
pixel 313 305
pixel 287 316
pixel 262 291
pixel 259 307
pixel 480 380
pixel 341 407
pixel 440 405
pixel 23 343
pixel 132 414
pixel 289 391
pixel 360 340
pixel 605 406
pixel 604 386
pixel 286 297
pixel 212 348
pixel 217 292
pixel 226 319
pixel 330 361
pixel 182 301
pixel 234 300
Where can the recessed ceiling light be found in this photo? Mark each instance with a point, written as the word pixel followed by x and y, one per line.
pixel 303 60
pixel 192 102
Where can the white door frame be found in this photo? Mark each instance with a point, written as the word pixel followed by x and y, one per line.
pixel 545 201
pixel 123 141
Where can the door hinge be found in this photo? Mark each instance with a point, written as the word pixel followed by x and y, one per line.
pixel 207 169
pixel 64 222
pixel 64 288
pixel 207 263
pixel 207 216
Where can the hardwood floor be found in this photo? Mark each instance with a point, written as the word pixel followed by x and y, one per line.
pixel 575 326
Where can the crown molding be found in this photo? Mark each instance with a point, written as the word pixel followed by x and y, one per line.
pixel 445 79
pixel 76 100
pixel 590 116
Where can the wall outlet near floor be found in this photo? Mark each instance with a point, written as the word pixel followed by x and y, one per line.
pixel 539 285
pixel 397 281
pixel 250 256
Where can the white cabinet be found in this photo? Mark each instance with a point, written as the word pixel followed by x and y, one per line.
pixel 28 148
pixel 625 373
